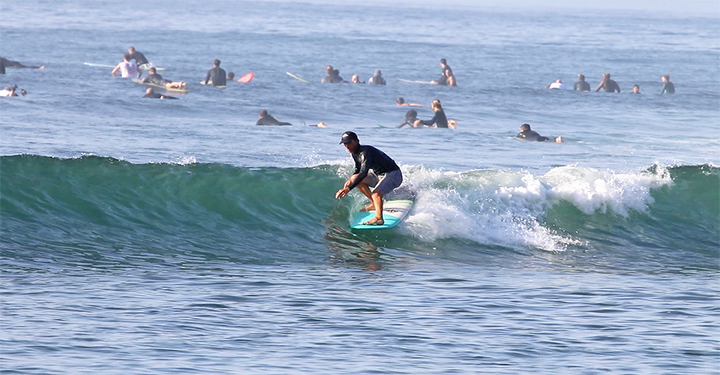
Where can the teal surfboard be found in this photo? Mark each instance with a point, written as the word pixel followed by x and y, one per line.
pixel 394 212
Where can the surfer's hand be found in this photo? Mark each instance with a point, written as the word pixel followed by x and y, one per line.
pixel 341 193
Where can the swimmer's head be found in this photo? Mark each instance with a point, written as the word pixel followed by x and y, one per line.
pixel 606 75
pixel 263 113
pixel 411 115
pixel 443 62
pixel 355 78
pixel 230 76
pixel 126 57
pixel 436 104
pixel 149 90
pixel 525 127
pixel 581 77
pixel 131 49
pixel 400 100
pixel 378 72
pixel 329 68
pixel 216 62
pixel 666 77
pixel 636 89
pixel 152 70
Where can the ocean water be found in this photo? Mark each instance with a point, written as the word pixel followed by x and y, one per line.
pixel 175 236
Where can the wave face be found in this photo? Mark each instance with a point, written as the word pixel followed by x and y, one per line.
pixel 102 211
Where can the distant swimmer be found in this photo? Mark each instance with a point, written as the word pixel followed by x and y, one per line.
pixel 447 78
pixel 608 84
pixel 557 85
pixel 230 76
pixel 10 91
pixel 5 63
pixel 151 94
pixel 127 68
pixel 377 79
pixel 439 120
pixel 668 87
pixel 333 75
pixel 529 135
pixel 216 76
pixel 581 85
pixel 267 119
pixel 355 79
pixel 410 118
pixel 157 79
pixel 385 176
pixel 139 58
pixel 401 101
pixel 636 89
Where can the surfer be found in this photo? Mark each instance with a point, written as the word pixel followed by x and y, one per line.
pixel 668 87
pixel 139 58
pixel 608 84
pixel 410 118
pixel 157 79
pixel 151 94
pixel 268 119
pixel 377 79
pixel 5 63
pixel 557 85
pixel 636 90
pixel 333 75
pixel 439 120
pixel 10 91
pixel 529 135
pixel 127 68
pixel 385 176
pixel 355 79
pixel 216 76
pixel 581 85
pixel 447 78
pixel 401 101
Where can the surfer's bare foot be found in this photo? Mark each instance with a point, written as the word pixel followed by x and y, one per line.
pixel 374 221
pixel 369 207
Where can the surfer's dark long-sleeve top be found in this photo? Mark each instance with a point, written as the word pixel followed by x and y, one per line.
pixel 367 158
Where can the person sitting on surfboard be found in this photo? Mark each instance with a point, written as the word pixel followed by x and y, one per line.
pixel 439 120
pixel 151 94
pixel 377 79
pixel 139 58
pixel 267 119
pixel 410 118
pixel 608 84
pixel 447 78
pixel 529 135
pixel 216 76
pixel 401 101
pixel 127 68
pixel 385 177
pixel 157 79
pixel 333 75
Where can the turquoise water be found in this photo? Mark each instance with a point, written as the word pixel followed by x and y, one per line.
pixel 148 236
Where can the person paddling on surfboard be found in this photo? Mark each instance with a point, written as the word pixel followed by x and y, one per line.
pixel 157 79
pixel 385 177
pixel 216 76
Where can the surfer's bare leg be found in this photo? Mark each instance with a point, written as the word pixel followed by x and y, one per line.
pixel 377 201
pixel 365 189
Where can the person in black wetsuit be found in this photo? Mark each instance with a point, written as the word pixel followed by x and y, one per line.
pixel 267 119
pixel 151 94
pixel 333 76
pixel 216 76
pixel 410 118
pixel 439 120
pixel 377 79
pixel 447 78
pixel 385 177
pixel 5 63
pixel 581 85
pixel 668 87
pixel 636 90
pixel 608 84
pixel 157 79
pixel 139 58
pixel 527 134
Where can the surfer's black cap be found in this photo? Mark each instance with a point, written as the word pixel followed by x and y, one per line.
pixel 348 137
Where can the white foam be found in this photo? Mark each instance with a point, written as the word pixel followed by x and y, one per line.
pixel 507 208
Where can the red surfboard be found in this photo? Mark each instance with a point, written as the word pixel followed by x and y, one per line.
pixel 246 78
